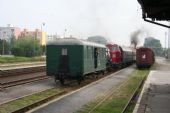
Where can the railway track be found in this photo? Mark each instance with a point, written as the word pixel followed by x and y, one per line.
pixel 20 71
pixel 13 77
pixel 134 96
pixel 73 88
pixel 67 86
pixel 130 101
pixel 22 81
pixel 21 64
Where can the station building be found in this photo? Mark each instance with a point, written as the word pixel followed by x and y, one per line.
pixel 6 33
pixel 38 34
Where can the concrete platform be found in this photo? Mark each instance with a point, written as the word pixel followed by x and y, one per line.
pixel 155 95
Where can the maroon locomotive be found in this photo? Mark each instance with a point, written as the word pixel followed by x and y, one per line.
pixel 144 57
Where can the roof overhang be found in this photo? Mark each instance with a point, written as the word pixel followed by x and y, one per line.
pixel 155 10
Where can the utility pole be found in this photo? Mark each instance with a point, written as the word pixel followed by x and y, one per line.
pixel 65 32
pixel 43 24
pixel 168 50
pixel 165 39
pixel 3 44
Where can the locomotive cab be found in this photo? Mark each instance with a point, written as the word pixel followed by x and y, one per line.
pixel 115 54
pixel 120 56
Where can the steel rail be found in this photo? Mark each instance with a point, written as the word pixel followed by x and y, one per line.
pixel 108 95
pixel 134 95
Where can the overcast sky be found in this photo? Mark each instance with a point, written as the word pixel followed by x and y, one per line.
pixel 114 19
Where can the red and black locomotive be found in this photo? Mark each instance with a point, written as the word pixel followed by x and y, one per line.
pixel 119 56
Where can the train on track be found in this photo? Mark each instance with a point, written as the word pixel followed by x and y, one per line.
pixel 145 57
pixel 120 56
pixel 71 58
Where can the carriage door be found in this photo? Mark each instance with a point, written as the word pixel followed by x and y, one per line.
pixel 64 61
pixel 95 57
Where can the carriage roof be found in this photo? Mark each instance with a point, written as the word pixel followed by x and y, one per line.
pixel 74 41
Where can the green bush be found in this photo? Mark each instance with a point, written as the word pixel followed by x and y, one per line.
pixel 11 59
pixel 26 46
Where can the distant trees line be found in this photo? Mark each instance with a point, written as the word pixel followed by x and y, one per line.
pixel 30 46
pixel 23 46
pixel 155 45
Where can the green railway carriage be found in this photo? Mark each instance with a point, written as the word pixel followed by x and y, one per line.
pixel 71 58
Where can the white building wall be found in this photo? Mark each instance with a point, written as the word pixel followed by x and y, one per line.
pixel 7 32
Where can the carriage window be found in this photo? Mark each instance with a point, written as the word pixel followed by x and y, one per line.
pixel 64 52
pixel 85 52
pixel 92 52
pixel 89 53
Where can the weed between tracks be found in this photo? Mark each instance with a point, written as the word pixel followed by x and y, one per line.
pixel 117 101
pixel 25 101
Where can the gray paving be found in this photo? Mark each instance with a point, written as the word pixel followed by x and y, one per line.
pixel 155 96
pixel 26 89
pixel 75 101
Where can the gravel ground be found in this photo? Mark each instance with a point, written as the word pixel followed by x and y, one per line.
pixel 21 77
pixel 8 66
pixel 26 89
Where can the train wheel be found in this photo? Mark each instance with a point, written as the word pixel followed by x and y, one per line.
pixel 80 79
pixel 55 79
pixel 62 81
pixel 103 72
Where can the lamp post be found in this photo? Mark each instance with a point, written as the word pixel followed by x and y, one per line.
pixel 42 24
pixel 165 39
pixel 44 51
pixel 3 43
pixel 65 32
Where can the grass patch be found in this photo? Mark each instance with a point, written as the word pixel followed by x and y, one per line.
pixel 117 101
pixel 11 59
pixel 28 100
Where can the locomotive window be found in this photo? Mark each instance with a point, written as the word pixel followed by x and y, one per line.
pixel 64 51
pixel 114 48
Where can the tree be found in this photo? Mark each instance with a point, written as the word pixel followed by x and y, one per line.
pixel 98 39
pixel 4 47
pixel 155 45
pixel 26 46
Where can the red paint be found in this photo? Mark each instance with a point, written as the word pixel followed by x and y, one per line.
pixel 115 53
